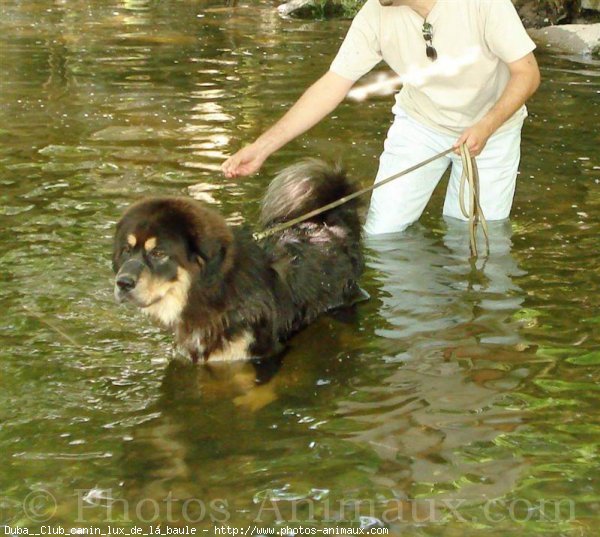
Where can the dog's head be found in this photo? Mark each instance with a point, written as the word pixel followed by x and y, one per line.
pixel 162 247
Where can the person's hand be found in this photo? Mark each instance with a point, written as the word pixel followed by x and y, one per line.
pixel 246 161
pixel 475 137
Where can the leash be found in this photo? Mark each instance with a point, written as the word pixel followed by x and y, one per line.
pixel 469 175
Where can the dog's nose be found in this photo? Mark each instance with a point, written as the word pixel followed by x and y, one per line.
pixel 125 283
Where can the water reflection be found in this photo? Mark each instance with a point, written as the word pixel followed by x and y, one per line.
pixel 453 349
pixel 449 352
pixel 202 415
pixel 428 285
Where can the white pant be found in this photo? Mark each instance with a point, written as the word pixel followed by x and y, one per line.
pixel 401 202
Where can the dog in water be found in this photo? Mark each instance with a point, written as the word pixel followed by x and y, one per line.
pixel 227 296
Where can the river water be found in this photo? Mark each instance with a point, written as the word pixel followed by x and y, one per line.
pixel 458 400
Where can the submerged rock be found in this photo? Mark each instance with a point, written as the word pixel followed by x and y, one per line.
pixel 590 4
pixel 294 7
pixel 571 38
pixel 315 9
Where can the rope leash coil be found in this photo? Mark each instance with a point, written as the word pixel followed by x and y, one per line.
pixel 469 175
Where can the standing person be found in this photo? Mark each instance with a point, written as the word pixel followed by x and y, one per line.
pixel 467 68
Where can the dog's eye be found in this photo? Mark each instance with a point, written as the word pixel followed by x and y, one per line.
pixel 127 249
pixel 158 255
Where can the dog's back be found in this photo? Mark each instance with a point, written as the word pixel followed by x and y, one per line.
pixel 319 260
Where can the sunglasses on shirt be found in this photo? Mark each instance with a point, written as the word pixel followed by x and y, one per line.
pixel 428 36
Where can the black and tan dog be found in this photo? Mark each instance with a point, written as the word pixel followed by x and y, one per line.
pixel 225 295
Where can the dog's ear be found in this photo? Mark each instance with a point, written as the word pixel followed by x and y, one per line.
pixel 211 254
pixel 211 242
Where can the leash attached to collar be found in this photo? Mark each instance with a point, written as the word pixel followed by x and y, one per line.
pixel 470 175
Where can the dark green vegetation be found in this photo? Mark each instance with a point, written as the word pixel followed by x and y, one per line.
pixel 450 385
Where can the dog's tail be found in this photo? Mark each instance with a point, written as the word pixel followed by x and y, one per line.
pixel 306 186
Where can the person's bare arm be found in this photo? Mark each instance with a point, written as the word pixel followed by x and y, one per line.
pixel 315 103
pixel 523 83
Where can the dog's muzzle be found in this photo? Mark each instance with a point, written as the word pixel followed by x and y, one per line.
pixel 127 278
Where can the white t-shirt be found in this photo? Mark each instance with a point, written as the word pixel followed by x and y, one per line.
pixel 474 39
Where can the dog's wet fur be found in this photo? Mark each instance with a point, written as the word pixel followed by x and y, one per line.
pixel 227 296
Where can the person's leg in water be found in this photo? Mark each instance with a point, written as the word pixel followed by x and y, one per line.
pixel 399 203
